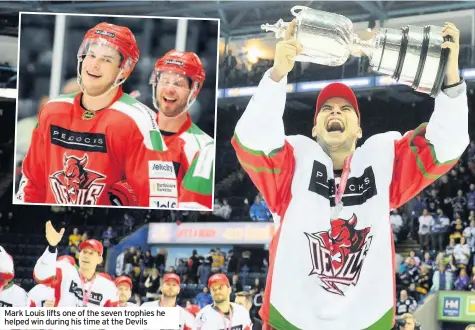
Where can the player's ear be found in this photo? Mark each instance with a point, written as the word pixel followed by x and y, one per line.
pixel 314 131
pixel 359 133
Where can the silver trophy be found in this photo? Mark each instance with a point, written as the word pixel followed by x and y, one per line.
pixel 412 55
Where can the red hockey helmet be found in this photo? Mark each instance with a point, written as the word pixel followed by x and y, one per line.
pixel 185 63
pixel 114 36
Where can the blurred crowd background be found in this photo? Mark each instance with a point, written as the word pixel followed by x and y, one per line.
pixel 434 233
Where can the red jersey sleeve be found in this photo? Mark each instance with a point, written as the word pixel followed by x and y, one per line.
pixel 431 150
pixel 32 188
pixel 143 140
pixel 261 147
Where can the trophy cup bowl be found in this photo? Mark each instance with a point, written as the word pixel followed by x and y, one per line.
pixel 411 55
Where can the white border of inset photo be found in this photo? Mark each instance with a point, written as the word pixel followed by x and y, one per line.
pixel 56 66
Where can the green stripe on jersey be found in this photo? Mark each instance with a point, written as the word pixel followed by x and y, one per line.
pixel 419 161
pixel 67 96
pixel 385 322
pixel 199 177
pixel 280 323
pixel 277 321
pixel 258 169
pixel 256 152
pixel 145 120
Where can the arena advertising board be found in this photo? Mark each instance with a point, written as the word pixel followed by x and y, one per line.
pixel 456 306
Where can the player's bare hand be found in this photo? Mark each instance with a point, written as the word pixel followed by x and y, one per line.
pixel 452 72
pixel 52 236
pixel 285 52
pixel 48 303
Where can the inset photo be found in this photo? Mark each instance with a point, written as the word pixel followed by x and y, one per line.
pixel 116 111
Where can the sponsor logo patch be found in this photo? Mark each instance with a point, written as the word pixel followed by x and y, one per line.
pixel 160 169
pixel 92 142
pixel 163 203
pixel 163 188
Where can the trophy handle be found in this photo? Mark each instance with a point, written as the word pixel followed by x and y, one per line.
pixel 299 8
pixel 278 28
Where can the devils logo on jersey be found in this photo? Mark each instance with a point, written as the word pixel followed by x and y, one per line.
pixel 338 254
pixel 75 183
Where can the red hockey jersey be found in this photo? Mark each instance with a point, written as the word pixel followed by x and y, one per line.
pixel 75 158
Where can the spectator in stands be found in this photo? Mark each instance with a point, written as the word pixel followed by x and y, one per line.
pixel 439 229
pixel 193 265
pixel 405 304
pixel 410 275
pixel 424 284
pixel 74 241
pixel 433 201
pixel 108 239
pixel 442 280
pixel 425 220
pixel 259 211
pixel 257 285
pixel 457 228
pixel 148 261
pixel 203 298
pixel 459 203
pixel 462 253
pixel 204 270
pixel 218 261
pixel 449 250
pixel 232 262
pixel 245 299
pixel 222 210
pixel 398 262
pixel 161 259
pixel 181 269
pixel 152 284
pixel 119 263
pixel 415 258
pixel 471 198
pixel 409 322
pixel 417 205
pixel 471 286
pixel 462 282
pixel 396 223
pixel 129 261
pixel 428 261
pixel 236 284
pixel 469 234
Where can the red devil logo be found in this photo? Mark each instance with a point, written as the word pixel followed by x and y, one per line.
pixel 75 184
pixel 338 253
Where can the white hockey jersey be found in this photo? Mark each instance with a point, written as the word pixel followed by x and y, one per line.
pixel 39 294
pixel 209 318
pixel 70 291
pixel 331 267
pixel 13 296
pixel 186 318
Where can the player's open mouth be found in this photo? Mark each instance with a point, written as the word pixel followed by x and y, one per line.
pixel 169 100
pixel 93 75
pixel 335 125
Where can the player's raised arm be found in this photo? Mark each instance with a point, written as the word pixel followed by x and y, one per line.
pixel 45 267
pixel 259 138
pixel 432 149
